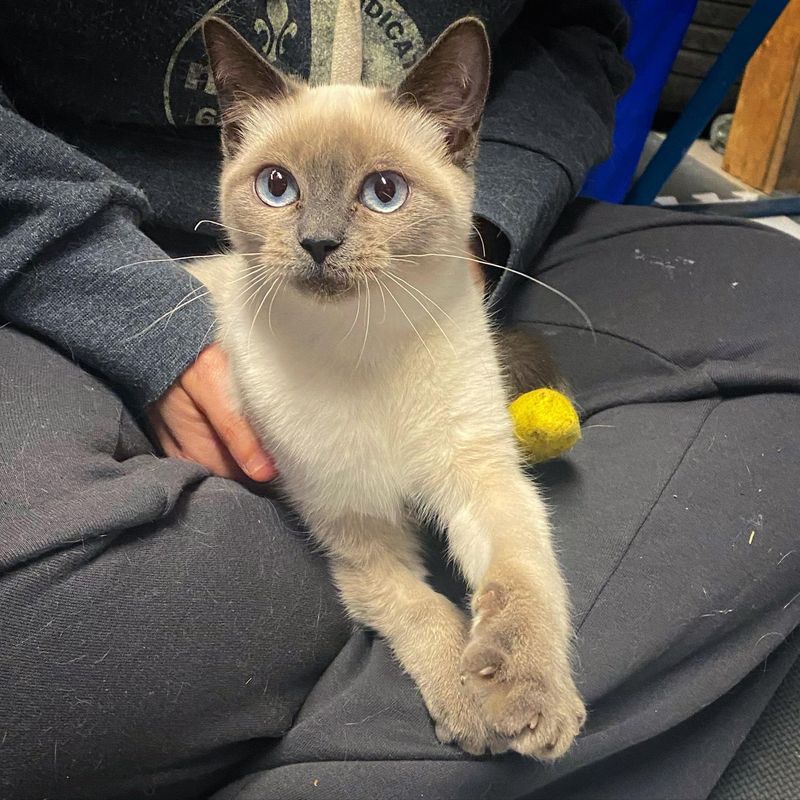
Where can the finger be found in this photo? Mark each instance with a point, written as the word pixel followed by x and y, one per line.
pixel 214 456
pixel 243 444
pixel 190 436
pixel 207 387
pixel 165 439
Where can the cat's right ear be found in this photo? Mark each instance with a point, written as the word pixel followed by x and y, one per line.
pixel 242 78
pixel 450 82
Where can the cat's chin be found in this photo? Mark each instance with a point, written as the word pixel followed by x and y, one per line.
pixel 324 289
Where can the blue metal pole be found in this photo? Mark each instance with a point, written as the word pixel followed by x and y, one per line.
pixel 699 110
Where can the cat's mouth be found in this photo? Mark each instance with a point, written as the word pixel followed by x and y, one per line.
pixel 324 282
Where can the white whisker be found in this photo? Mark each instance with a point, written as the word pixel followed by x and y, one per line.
pixel 254 287
pixel 358 311
pixel 383 295
pixel 248 272
pixel 400 230
pixel 229 228
pixel 425 296
pixel 177 258
pixel 272 302
pixel 366 328
pixel 206 334
pixel 541 283
pixel 480 238
pixel 168 315
pixel 408 319
pixel 260 306
pixel 248 277
pixel 425 309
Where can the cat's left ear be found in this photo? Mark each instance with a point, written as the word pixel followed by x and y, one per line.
pixel 451 82
pixel 242 78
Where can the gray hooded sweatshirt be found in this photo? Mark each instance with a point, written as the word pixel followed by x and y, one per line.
pixel 109 149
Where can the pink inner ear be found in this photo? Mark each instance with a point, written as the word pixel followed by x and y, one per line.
pixel 239 70
pixel 242 77
pixel 451 80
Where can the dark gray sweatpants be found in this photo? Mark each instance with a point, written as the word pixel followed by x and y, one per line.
pixel 167 634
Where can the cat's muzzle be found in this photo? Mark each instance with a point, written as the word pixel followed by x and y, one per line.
pixel 324 280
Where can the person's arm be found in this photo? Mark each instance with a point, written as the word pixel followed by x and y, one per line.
pixel 558 72
pixel 76 270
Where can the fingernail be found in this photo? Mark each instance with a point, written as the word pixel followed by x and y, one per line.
pixel 260 468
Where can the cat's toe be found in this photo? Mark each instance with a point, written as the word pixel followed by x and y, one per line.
pixel 551 733
pixel 461 723
pixel 537 715
pixel 470 741
pixel 521 681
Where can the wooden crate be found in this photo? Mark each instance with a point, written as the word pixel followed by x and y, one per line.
pixel 763 149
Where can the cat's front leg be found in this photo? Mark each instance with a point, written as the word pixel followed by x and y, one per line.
pixel 378 571
pixel 517 659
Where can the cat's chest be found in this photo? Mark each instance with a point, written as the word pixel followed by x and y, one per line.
pixel 348 445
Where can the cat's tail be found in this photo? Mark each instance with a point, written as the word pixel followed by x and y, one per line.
pixel 527 362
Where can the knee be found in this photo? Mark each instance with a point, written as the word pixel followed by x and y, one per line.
pixel 199 634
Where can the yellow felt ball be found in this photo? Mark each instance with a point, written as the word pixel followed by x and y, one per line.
pixel 545 423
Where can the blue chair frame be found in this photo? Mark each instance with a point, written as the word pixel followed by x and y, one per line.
pixel 700 109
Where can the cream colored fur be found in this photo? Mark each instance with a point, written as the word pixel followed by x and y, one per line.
pixel 373 423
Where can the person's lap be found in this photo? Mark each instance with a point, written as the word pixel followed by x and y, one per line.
pixel 673 518
pixel 157 626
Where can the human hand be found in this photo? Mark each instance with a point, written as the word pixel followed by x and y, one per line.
pixel 196 420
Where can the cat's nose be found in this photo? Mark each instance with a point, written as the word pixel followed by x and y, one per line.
pixel 320 249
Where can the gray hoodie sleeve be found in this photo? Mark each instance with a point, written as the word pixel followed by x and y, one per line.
pixel 558 72
pixel 67 228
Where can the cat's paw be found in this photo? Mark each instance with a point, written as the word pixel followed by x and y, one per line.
pixel 458 720
pixel 524 688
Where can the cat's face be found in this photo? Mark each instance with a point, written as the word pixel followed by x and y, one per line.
pixel 327 188
pixel 338 183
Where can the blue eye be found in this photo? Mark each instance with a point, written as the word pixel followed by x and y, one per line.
pixel 384 192
pixel 276 187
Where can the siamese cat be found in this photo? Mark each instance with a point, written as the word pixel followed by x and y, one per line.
pixel 362 353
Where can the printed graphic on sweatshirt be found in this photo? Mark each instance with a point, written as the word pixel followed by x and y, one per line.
pixel 392 42
pixel 278 29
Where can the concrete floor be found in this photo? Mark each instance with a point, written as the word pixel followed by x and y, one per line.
pixel 700 178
